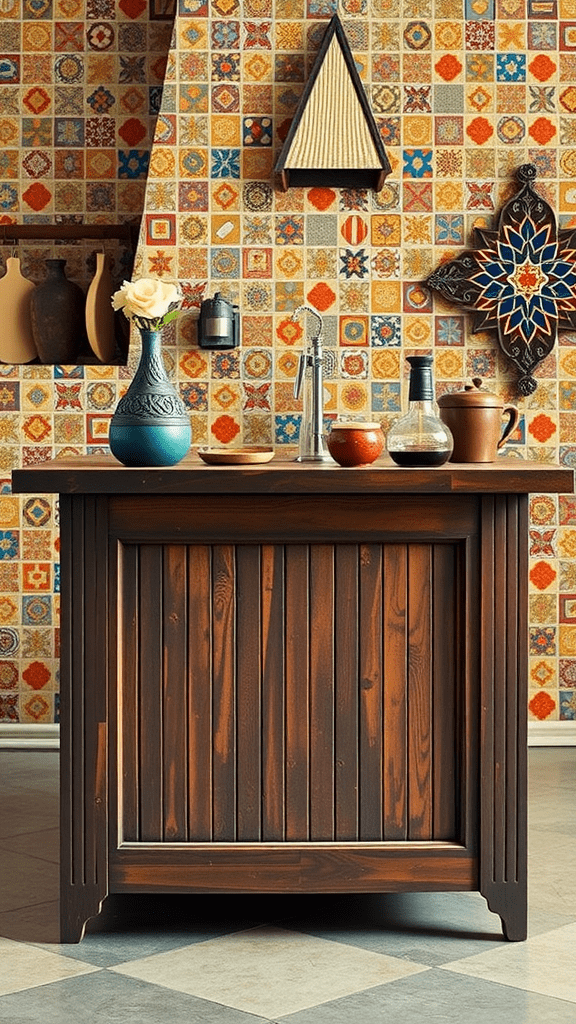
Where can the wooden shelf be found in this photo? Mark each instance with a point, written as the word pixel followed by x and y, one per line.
pixel 10 233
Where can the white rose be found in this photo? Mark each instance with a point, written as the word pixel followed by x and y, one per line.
pixel 148 298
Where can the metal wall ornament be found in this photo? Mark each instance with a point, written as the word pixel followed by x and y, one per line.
pixel 519 280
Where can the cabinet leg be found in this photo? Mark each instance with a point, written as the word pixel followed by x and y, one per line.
pixel 76 909
pixel 509 901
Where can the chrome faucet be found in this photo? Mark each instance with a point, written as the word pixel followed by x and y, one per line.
pixel 313 447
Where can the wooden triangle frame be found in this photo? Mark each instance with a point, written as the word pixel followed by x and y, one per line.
pixel 333 139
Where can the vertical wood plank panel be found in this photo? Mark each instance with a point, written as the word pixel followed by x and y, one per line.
pixel 224 695
pixel 419 692
pixel 273 689
pixel 518 784
pixel 248 693
pixel 128 655
pixel 74 661
pixel 150 672
pixel 346 695
pixel 448 638
pixel 200 693
pixel 500 653
pixel 174 718
pixel 297 692
pixel 371 731
pixel 488 767
pixel 395 692
pixel 513 631
pixel 322 692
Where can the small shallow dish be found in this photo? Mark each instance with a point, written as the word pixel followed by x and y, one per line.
pixel 235 456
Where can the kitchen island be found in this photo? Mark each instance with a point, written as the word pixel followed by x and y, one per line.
pixel 293 678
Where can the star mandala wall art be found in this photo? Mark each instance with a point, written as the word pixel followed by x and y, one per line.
pixel 519 280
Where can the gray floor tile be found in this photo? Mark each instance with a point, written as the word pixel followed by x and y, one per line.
pixel 106 998
pixel 428 997
pixel 427 928
pixel 134 926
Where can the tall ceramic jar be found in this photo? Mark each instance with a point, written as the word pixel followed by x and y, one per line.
pixel 57 310
pixel 150 426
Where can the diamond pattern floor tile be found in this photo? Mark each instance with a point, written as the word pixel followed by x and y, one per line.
pixel 269 971
pixel 543 964
pixel 25 967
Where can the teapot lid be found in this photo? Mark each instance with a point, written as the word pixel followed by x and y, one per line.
pixel 471 398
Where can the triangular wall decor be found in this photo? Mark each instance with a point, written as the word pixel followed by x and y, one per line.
pixel 333 139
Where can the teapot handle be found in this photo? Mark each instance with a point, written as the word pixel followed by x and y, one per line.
pixel 513 417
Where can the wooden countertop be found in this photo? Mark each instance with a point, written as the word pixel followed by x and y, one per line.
pixel 100 474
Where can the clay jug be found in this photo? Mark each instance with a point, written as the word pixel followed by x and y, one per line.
pixel 16 340
pixel 476 420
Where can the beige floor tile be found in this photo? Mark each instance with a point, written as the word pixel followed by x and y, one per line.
pixel 269 971
pixel 542 964
pixel 25 967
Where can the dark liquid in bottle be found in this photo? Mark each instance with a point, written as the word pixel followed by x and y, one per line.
pixel 421 458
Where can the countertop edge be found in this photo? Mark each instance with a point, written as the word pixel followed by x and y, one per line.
pixel 101 475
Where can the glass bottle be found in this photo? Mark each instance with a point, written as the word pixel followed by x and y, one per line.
pixel 420 438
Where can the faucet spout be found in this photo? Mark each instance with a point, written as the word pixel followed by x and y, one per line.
pixel 313 446
pixel 314 312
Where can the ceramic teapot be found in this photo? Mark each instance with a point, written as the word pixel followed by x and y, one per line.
pixel 476 420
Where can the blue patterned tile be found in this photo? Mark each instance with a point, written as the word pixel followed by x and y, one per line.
pixel 287 429
pixel 567 705
pixel 417 163
pixel 9 544
pixel 449 330
pixel 386 396
pixel 385 331
pixel 225 163
pixel 37 610
pixel 354 263
pixel 510 67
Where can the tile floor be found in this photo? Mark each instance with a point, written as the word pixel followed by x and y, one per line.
pixel 390 959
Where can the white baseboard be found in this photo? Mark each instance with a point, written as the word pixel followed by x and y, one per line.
pixel 29 737
pixel 552 734
pixel 47 737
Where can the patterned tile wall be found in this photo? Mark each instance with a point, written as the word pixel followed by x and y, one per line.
pixel 463 92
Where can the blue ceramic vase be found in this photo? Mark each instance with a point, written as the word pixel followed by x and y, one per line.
pixel 150 426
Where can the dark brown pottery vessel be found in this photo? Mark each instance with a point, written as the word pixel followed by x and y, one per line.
pixel 57 308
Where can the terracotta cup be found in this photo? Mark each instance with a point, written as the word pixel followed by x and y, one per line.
pixel 355 443
pixel 479 421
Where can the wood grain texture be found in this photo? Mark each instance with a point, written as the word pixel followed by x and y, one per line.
pixel 315 689
pixel 324 730
pixel 503 827
pixel 101 474
pixel 84 731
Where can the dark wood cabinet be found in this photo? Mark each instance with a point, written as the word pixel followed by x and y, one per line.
pixel 293 679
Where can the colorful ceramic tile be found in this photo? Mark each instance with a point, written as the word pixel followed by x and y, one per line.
pixel 289 230
pixel 448 229
pixel 417 196
pixel 480 35
pixel 511 67
pixel 353 263
pixel 449 330
pixel 417 163
pixel 448 130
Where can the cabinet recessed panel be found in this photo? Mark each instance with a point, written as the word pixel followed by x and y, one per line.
pixel 291 692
